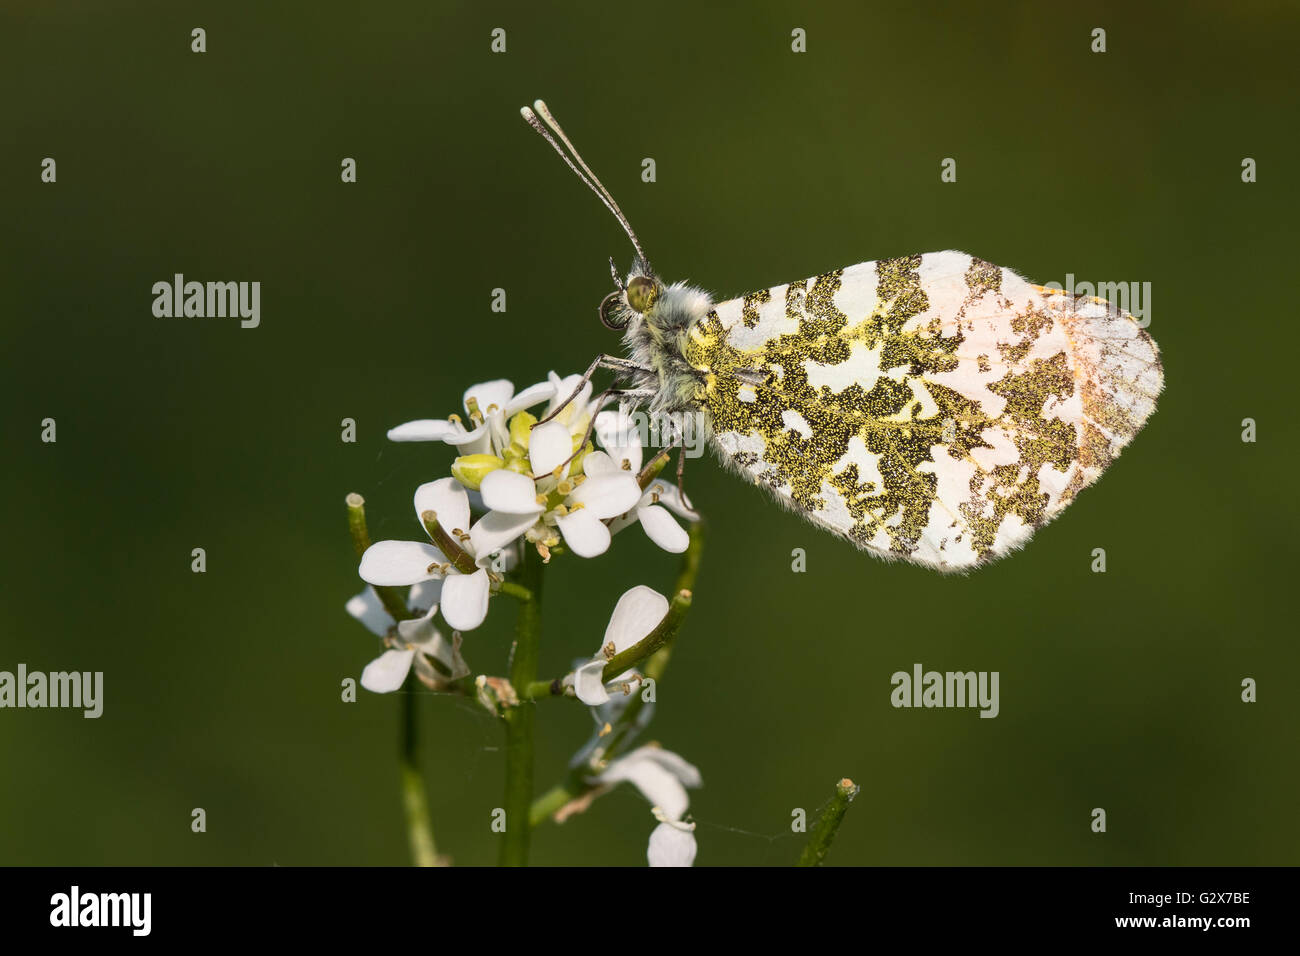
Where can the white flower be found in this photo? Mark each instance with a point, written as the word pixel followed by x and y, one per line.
pixel 489 405
pixel 539 482
pixel 672 843
pixel 416 643
pixel 553 505
pixel 662 777
pixel 556 499
pixel 605 715
pixel 623 452
pixel 464 592
pixel 638 612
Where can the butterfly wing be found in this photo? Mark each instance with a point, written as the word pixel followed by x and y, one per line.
pixel 934 408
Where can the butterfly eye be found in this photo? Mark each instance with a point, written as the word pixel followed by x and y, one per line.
pixel 641 294
pixel 609 311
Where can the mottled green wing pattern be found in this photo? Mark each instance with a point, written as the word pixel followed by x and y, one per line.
pixel 934 408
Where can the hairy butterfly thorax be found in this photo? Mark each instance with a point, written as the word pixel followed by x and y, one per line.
pixel 933 408
pixel 656 337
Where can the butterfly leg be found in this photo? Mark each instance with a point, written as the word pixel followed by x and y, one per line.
pixel 662 457
pixel 614 362
pixel 681 480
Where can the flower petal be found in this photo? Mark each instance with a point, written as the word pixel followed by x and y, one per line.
pixel 670 496
pixel 529 397
pixel 447 499
pixel 387 672
pixel 481 443
pixel 497 392
pixel 620 437
pixel 495 530
pixel 510 492
pixel 637 613
pixel 678 766
pixel 425 595
pixel 369 610
pixel 548 446
pixel 584 533
pixel 671 846
pixel 608 496
pixel 445 652
pixel 563 389
pixel 465 599
pixel 661 528
pixel 498 430
pixel 659 786
pixel 435 429
pixel 598 463
pixel 587 683
pixel 398 563
pixel 417 630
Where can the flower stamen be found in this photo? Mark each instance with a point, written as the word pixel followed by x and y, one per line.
pixel 475 415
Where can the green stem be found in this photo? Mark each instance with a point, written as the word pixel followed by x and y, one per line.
pixel 414 799
pixel 520 720
pixel 819 843
pixel 549 803
pixel 661 637
pixel 392 599
pixel 516 591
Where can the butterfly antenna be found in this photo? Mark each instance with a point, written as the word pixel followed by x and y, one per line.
pixel 584 173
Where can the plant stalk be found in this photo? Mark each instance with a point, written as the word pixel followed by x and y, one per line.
pixel 520 720
pixel 819 843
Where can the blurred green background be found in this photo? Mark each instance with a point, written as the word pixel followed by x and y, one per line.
pixel 1118 690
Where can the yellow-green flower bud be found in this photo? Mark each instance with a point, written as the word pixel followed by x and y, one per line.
pixel 652 468
pixel 520 427
pixel 470 470
pixel 575 467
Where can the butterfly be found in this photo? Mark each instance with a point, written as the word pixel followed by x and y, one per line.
pixel 934 408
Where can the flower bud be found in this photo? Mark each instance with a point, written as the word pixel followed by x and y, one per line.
pixel 520 427
pixel 470 470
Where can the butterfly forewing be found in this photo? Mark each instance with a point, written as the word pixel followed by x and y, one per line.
pixel 935 408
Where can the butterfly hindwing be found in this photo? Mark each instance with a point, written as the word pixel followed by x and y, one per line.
pixel 934 408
